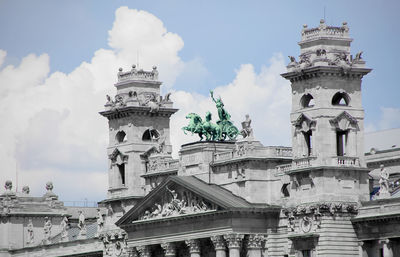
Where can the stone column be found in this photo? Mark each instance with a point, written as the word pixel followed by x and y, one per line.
pixel 143 251
pixel 387 248
pixel 219 246
pixel 194 247
pixel 362 249
pixel 234 242
pixel 254 245
pixel 169 249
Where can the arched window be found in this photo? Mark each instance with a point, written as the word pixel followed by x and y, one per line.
pixel 285 190
pixel 307 101
pixel 150 135
pixel 341 98
pixel 120 136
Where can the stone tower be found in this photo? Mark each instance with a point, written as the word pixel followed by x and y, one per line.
pixel 138 122
pixel 328 175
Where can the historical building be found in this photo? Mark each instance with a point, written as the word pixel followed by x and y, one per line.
pixel 228 195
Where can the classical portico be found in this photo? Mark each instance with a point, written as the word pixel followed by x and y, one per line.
pixel 185 216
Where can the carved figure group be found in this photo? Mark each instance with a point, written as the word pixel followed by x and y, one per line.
pixel 220 131
pixel 175 206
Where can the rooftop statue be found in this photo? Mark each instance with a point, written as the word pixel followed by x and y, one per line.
pixel 212 132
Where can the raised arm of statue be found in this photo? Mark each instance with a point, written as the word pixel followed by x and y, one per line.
pixel 212 96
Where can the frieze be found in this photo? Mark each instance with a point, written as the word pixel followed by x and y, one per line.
pixel 177 203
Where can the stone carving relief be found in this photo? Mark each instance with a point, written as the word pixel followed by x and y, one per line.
pixel 307 218
pixel 30 235
pixel 114 243
pixel 47 230
pixel 175 204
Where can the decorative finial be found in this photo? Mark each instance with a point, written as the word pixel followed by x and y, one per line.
pixel 120 69
pixel 133 66
pixel 305 26
pixel 344 23
pixel 154 67
pixel 26 190
pixel 49 186
pixel 322 21
pixel 8 185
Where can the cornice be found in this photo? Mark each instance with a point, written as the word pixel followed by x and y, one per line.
pixel 137 110
pixel 325 71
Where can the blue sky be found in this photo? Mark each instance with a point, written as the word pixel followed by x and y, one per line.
pixel 221 45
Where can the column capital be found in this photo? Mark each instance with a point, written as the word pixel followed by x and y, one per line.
pixel 219 242
pixel 385 241
pixel 169 248
pixel 255 241
pixel 234 240
pixel 194 245
pixel 143 251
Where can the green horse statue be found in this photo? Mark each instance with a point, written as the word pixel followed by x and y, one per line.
pixel 211 130
pixel 195 125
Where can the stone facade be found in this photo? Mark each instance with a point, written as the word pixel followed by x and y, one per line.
pixel 230 198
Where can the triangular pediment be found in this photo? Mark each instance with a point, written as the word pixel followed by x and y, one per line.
pixel 304 123
pixel 118 157
pixel 150 151
pixel 182 196
pixel 344 121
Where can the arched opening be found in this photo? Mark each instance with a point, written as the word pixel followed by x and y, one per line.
pixel 120 136
pixel 341 98
pixel 307 101
pixel 121 170
pixel 285 190
pixel 308 141
pixel 341 142
pixel 150 135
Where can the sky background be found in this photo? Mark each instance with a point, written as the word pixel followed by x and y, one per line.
pixel 59 59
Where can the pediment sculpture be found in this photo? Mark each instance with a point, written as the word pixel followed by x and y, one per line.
pixel 176 202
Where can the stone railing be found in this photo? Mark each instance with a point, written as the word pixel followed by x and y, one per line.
pixel 323 30
pixel 303 162
pixel 282 169
pixel 135 74
pixel 270 151
pixel 346 161
pixel 223 156
pixel 164 165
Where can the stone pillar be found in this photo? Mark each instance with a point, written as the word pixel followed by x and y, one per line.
pixel 362 249
pixel 143 251
pixel 387 248
pixel 169 249
pixel 219 246
pixel 234 242
pixel 254 245
pixel 194 247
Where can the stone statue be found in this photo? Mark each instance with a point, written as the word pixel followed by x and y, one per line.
pixel 30 238
pixel 100 222
pixel 292 59
pixel 247 131
pixel 64 227
pixel 81 224
pixel 383 181
pixel 25 190
pixel 47 230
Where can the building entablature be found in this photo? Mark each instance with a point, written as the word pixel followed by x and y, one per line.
pixel 137 110
pixel 325 71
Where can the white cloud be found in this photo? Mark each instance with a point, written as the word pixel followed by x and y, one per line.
pixel 3 55
pixel 50 122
